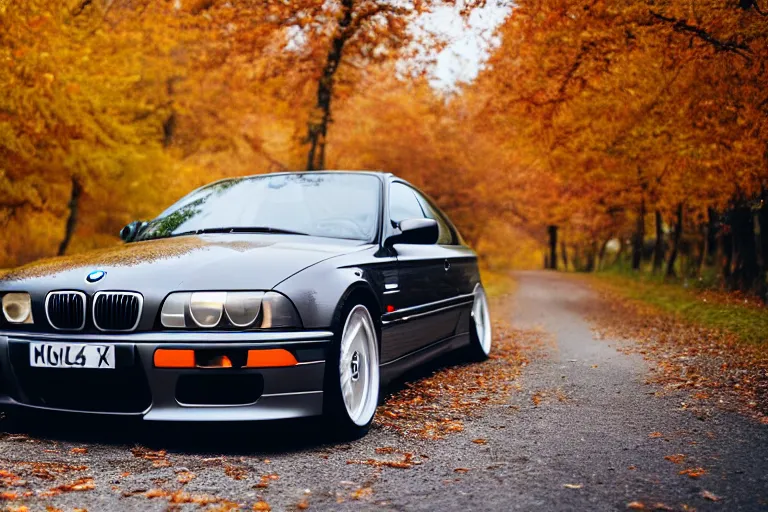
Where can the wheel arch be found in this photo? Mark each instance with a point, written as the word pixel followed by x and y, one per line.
pixel 359 292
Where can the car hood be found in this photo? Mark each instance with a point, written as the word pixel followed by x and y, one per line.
pixel 205 262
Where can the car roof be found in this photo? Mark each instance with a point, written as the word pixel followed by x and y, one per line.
pixel 379 174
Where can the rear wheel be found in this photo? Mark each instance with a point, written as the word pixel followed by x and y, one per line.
pixel 352 375
pixel 480 326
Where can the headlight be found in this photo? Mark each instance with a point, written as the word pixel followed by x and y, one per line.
pixel 17 308
pixel 174 310
pixel 243 307
pixel 206 308
pixel 228 310
pixel 278 311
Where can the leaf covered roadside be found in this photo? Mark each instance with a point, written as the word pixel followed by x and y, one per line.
pixel 714 365
pixel 438 405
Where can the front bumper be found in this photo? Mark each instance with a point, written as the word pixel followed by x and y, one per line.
pixel 141 390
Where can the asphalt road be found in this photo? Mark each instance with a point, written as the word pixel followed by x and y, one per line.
pixel 578 435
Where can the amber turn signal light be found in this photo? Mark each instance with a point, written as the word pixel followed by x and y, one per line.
pixel 269 358
pixel 185 358
pixel 174 358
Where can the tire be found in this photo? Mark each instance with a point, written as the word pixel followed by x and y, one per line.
pixel 480 331
pixel 351 392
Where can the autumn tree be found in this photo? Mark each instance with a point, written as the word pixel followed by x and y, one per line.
pixel 642 109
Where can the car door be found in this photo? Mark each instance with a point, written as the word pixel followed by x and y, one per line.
pixel 462 272
pixel 418 298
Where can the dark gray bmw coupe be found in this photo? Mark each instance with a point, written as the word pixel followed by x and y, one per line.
pixel 268 297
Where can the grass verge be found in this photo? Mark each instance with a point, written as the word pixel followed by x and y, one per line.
pixel 743 316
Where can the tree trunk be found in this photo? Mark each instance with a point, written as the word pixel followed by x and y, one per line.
pixel 591 255
pixel 762 219
pixel 703 250
pixel 726 252
pixel 169 125
pixel 658 248
pixel 675 241
pixel 564 254
pixel 686 258
pixel 552 233
pixel 576 258
pixel 169 129
pixel 639 237
pixel 317 127
pixel 601 256
pixel 74 206
pixel 746 271
pixel 712 229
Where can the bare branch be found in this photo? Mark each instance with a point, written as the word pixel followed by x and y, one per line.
pixel 681 26
pixel 81 7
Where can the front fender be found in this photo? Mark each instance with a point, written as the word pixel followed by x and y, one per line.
pixel 317 291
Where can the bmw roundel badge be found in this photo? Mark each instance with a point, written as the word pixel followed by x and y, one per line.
pixel 96 275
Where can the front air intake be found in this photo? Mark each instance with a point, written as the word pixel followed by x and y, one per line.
pixel 117 311
pixel 66 310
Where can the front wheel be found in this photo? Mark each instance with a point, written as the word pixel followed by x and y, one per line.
pixel 352 375
pixel 480 326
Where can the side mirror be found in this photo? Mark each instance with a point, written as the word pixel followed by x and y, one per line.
pixel 129 232
pixel 416 231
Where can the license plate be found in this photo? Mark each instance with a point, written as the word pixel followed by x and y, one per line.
pixel 71 355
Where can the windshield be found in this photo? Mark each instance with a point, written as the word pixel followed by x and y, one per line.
pixel 318 204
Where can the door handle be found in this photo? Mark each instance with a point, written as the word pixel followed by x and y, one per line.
pixel 447 265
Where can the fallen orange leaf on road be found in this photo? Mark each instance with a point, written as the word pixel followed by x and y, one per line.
pixel 361 493
pixel 185 477
pixel 694 472
pixel 158 458
pixel 236 472
pixel 9 479
pixel 264 482
pixel 83 484
pixel 156 493
pixel 676 458
pixel 45 470
pixel 406 463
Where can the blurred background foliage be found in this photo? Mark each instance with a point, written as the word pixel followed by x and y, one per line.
pixel 598 134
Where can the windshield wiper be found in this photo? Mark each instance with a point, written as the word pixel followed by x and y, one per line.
pixel 255 229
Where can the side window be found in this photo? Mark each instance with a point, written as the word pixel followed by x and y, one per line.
pixel 447 236
pixel 403 203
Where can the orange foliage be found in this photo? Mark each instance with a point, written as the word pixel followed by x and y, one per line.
pixel 589 115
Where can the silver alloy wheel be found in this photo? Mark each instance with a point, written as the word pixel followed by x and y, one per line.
pixel 482 319
pixel 359 366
